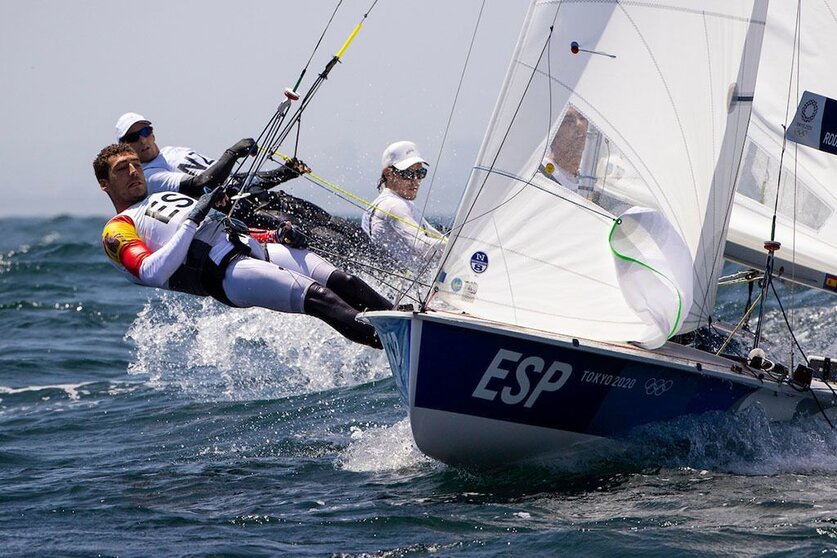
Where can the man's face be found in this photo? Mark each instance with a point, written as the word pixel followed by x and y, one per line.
pixel 407 188
pixel 145 146
pixel 125 183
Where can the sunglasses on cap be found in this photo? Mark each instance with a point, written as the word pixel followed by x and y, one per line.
pixel 409 174
pixel 135 136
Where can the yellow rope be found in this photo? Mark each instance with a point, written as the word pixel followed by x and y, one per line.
pixel 739 324
pixel 734 279
pixel 325 183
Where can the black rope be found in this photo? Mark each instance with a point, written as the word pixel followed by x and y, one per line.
pixel 455 99
pixel 317 46
pixel 787 323
pixel 280 126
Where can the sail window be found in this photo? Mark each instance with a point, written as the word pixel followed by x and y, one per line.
pixel 758 182
pixel 581 158
pixel 566 148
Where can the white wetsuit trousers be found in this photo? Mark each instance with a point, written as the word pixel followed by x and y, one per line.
pixel 280 284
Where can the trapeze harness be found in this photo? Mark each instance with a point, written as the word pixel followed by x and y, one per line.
pixel 199 274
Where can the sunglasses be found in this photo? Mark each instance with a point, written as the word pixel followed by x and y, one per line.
pixel 135 136
pixel 409 174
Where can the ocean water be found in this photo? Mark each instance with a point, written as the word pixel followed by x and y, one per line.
pixel 140 423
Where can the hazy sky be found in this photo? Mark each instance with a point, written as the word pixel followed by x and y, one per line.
pixel 208 73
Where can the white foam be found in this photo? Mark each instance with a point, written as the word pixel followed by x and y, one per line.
pixel 381 448
pixel 744 443
pixel 73 391
pixel 214 351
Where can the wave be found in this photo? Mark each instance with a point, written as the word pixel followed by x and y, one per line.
pixel 214 352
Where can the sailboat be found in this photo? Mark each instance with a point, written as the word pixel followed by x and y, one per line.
pixel 592 231
pixel 806 223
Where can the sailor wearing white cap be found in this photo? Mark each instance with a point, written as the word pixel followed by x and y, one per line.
pixel 393 220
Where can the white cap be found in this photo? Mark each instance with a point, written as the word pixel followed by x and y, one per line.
pixel 126 121
pixel 401 155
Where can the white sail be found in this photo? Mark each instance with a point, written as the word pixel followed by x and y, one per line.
pixel 807 207
pixel 654 116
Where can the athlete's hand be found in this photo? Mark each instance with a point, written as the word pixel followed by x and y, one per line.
pixel 297 166
pixel 204 204
pixel 244 147
pixel 289 235
pixel 291 169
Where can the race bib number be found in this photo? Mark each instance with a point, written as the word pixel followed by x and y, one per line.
pixel 166 206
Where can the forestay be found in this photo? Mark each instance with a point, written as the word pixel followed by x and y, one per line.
pixel 622 104
pixel 807 203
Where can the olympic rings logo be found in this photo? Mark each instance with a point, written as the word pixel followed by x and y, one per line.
pixel 657 387
pixel 806 114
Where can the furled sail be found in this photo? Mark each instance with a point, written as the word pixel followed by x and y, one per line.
pixel 806 222
pixel 620 104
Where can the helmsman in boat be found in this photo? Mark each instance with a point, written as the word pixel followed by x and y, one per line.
pixel 173 241
pixel 562 163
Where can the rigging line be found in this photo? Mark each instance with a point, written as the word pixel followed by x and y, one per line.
pixel 739 324
pixel 529 182
pixel 281 134
pixel 546 146
pixel 743 276
pixel 275 121
pixel 453 108
pixel 390 273
pixel 444 139
pixel 298 132
pixel 796 42
pixel 795 179
pixel 317 46
pixel 322 76
pixel 768 272
pixel 822 411
pixel 355 200
pixel 427 258
pixel 790 330
pixel 536 170
pixel 467 218
pixel 269 129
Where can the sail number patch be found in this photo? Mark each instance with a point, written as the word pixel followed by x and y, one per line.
pixel 532 377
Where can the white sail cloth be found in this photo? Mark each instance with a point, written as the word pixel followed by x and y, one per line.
pixel 664 88
pixel 807 221
pixel 654 270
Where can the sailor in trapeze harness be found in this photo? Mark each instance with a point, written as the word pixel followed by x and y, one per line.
pixel 172 241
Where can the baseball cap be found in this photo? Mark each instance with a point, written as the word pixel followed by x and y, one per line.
pixel 402 155
pixel 126 121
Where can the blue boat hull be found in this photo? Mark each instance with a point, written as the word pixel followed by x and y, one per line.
pixel 478 393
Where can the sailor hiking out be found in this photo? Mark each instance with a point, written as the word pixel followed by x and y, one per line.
pixel 172 241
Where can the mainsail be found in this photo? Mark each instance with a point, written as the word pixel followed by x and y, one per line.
pixel 798 53
pixel 606 106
